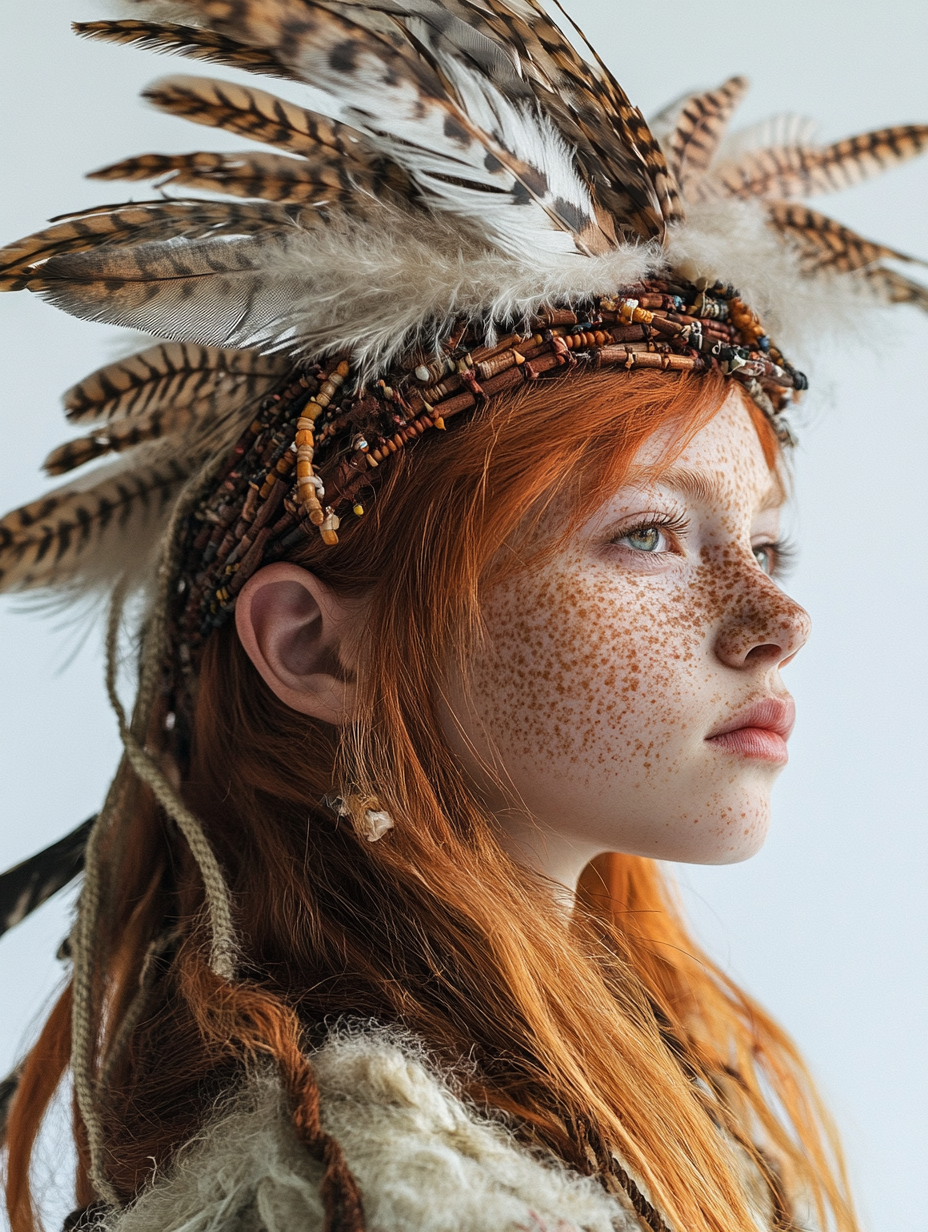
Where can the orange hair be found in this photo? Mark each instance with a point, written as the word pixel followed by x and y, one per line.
pixel 615 1036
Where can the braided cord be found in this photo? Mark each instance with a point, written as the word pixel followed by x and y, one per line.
pixel 88 958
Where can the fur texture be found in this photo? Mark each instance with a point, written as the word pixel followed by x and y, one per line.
pixel 425 1161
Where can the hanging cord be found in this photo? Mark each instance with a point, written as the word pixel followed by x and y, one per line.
pixel 223 946
pixel 85 947
pixel 341 1197
pixel 88 960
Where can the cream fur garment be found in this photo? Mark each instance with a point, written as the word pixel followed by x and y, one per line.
pixel 424 1160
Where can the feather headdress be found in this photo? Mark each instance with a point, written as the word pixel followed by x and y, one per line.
pixel 481 206
pixel 475 168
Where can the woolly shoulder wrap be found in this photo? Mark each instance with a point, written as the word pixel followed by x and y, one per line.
pixel 424 1159
pixel 425 1162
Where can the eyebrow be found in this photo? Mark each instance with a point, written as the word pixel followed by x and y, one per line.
pixel 698 487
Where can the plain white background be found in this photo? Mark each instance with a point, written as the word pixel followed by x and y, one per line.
pixel 828 924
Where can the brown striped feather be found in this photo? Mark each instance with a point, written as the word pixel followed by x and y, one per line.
pixel 895 288
pixel 792 172
pixel 191 41
pixel 22 261
pixel 308 36
pixel 253 113
pixel 700 126
pixel 172 374
pixel 165 420
pixel 53 538
pixel 208 291
pixel 826 244
pixel 616 145
pixel 860 158
pixel 326 180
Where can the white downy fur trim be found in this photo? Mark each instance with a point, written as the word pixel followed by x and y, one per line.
pixel 424 1160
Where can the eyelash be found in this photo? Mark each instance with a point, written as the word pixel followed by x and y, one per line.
pixel 667 523
pixel 784 553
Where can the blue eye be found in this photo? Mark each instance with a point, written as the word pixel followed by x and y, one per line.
pixel 766 556
pixel 645 539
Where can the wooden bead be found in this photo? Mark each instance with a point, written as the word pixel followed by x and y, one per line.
pixel 328 528
pixel 305 437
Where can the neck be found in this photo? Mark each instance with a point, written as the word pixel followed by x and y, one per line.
pixel 555 856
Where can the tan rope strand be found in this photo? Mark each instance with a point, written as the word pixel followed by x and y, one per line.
pixel 85 937
pixel 223 946
pixel 84 1021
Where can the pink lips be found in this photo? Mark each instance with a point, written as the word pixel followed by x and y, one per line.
pixel 760 732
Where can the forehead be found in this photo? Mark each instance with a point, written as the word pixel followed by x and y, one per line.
pixel 723 461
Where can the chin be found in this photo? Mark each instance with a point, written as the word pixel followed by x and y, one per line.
pixel 717 841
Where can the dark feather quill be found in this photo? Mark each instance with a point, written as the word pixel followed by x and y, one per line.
pixel 27 885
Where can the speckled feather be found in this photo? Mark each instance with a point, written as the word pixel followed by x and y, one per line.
pixel 49 540
pixel 209 291
pixel 23 263
pixel 614 144
pixel 478 137
pixel 170 374
pixel 172 39
pixel 791 172
pixel 475 160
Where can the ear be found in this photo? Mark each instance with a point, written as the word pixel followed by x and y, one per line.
pixel 300 636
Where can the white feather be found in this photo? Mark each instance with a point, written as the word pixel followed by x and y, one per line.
pixel 446 148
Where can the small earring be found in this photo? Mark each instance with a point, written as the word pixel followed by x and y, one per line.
pixel 371 823
pixel 376 823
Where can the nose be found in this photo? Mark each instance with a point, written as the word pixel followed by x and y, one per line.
pixel 763 627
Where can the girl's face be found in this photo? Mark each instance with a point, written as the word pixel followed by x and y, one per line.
pixel 628 695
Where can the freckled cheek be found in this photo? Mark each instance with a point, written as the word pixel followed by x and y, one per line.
pixel 587 672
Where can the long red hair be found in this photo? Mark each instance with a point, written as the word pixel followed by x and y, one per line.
pixel 612 1036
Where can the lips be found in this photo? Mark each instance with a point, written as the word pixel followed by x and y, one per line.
pixel 760 732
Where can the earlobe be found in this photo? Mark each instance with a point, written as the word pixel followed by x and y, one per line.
pixel 299 636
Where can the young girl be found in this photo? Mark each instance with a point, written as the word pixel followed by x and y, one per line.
pixel 453 515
